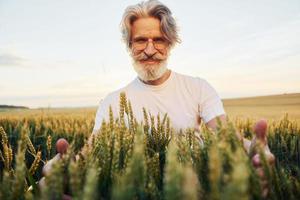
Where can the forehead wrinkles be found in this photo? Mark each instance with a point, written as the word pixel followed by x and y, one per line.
pixel 146 27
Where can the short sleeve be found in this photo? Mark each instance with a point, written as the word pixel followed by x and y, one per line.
pixel 211 105
pixel 102 111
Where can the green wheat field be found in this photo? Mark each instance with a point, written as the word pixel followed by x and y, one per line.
pixel 149 160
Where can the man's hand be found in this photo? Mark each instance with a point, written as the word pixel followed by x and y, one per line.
pixel 61 148
pixel 260 142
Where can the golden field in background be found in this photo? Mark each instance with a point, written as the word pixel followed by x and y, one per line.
pixel 271 107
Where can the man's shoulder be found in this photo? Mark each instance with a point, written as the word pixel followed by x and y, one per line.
pixel 113 97
pixel 189 80
pixel 195 86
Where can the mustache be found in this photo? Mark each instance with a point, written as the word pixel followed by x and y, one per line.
pixel 144 57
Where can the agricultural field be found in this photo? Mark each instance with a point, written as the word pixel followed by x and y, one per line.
pixel 149 160
pixel 271 107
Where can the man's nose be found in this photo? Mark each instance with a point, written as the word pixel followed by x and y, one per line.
pixel 150 49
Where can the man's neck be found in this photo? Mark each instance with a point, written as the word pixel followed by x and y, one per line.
pixel 160 80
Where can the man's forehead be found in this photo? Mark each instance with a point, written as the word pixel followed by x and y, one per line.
pixel 146 27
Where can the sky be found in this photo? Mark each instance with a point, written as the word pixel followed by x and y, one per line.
pixel 69 53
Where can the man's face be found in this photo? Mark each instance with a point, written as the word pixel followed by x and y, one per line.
pixel 149 49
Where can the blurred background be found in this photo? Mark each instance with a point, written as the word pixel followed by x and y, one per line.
pixel 69 53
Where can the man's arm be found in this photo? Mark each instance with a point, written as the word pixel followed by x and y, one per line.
pixel 212 124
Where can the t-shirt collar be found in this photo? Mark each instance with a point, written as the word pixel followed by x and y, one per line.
pixel 156 87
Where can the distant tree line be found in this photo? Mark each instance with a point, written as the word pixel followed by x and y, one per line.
pixel 13 107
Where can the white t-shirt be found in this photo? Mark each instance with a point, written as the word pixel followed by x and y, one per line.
pixel 180 96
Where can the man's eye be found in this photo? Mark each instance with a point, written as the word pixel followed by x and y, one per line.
pixel 140 40
pixel 159 40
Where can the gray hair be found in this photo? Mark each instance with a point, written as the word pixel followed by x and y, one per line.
pixel 150 8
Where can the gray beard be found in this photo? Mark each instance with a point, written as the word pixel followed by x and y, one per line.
pixel 150 72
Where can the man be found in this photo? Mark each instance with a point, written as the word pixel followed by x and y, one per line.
pixel 150 32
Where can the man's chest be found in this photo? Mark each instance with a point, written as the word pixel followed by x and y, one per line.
pixel 182 109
